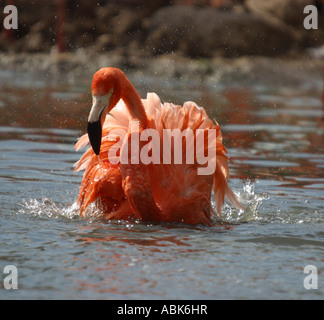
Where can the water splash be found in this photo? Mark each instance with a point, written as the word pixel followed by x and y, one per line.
pixel 46 207
pixel 250 201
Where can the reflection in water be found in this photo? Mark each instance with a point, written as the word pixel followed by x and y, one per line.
pixel 131 247
pixel 43 108
pixel 284 146
pixel 149 241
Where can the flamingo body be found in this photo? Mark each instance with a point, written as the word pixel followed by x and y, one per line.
pixel 155 191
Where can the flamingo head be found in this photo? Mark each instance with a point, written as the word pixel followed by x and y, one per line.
pixel 106 92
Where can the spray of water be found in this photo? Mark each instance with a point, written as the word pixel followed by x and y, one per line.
pixel 46 207
pixel 250 201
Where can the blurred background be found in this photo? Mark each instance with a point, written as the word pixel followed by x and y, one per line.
pixel 194 28
pixel 206 44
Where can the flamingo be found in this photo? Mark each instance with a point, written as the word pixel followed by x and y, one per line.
pixel 162 192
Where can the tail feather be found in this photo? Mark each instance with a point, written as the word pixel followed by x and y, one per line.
pixel 220 187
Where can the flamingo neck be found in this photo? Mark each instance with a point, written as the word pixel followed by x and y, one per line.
pixel 133 103
pixel 136 177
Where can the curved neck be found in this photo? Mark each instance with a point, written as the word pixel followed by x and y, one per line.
pixel 136 177
pixel 133 103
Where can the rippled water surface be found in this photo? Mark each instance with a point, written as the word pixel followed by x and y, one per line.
pixel 275 137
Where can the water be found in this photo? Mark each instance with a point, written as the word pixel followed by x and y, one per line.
pixel 276 141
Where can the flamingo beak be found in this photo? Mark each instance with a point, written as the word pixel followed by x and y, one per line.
pixel 99 105
pixel 94 133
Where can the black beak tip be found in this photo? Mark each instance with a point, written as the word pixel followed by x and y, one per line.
pixel 94 133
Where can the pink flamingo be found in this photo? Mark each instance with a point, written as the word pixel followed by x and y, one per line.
pixel 148 192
